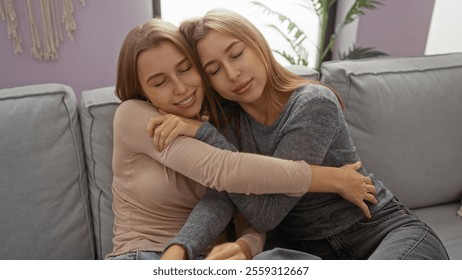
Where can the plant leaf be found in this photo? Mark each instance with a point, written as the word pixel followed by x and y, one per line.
pixel 285 55
pixel 292 28
pixel 356 52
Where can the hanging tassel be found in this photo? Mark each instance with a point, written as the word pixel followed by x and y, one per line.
pixel 35 48
pixel 68 19
pixel 2 13
pixel 55 15
pixel 12 24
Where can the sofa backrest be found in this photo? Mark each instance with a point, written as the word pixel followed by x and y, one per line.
pixel 97 108
pixel 404 115
pixel 44 209
pixel 304 71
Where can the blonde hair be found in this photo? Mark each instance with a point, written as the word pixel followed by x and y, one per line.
pixel 234 25
pixel 280 80
pixel 146 36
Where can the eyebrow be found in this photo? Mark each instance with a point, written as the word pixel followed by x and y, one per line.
pixel 227 49
pixel 160 74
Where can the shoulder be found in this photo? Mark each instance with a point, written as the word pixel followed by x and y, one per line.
pixel 133 111
pixel 134 107
pixel 313 96
pixel 315 91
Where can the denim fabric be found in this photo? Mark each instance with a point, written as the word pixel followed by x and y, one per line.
pixel 142 255
pixel 393 233
pixel 284 254
pixel 138 255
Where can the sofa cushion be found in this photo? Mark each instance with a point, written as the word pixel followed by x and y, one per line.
pixel 44 209
pixel 97 108
pixel 404 116
pixel 443 220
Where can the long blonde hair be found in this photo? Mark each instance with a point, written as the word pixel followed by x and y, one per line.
pixel 280 80
pixel 234 25
pixel 146 36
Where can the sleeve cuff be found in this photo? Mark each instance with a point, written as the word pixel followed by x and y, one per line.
pixel 189 251
pixel 202 131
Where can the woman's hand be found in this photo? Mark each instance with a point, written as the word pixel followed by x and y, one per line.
pixel 230 251
pixel 357 188
pixel 174 252
pixel 345 181
pixel 165 128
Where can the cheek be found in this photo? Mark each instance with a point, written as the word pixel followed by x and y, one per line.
pixel 159 97
pixel 197 80
pixel 193 79
pixel 219 83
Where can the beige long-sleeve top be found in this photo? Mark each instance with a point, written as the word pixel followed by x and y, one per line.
pixel 154 192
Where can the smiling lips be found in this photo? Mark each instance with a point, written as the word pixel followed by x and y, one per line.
pixel 186 102
pixel 242 87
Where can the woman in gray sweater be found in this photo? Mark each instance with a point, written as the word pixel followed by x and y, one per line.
pixel 270 111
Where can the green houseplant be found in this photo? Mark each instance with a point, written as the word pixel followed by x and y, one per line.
pixel 296 37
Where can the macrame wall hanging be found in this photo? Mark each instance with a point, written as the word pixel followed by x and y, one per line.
pixel 55 16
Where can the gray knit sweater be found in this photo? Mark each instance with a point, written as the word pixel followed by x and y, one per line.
pixel 312 128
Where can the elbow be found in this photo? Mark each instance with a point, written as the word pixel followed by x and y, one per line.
pixel 262 224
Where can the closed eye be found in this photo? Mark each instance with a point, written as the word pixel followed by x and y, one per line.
pixel 238 54
pixel 159 83
pixel 184 67
pixel 213 72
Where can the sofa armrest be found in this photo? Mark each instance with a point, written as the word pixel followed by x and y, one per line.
pixel 97 108
pixel 44 209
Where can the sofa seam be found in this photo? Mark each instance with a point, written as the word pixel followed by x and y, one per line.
pixel 93 169
pixel 81 173
pixel 404 71
pixel 352 74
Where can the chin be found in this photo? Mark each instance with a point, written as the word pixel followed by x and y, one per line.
pixel 192 114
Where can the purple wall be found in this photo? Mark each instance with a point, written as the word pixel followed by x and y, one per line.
pixel 87 63
pixel 399 27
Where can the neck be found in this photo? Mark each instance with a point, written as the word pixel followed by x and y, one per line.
pixel 264 110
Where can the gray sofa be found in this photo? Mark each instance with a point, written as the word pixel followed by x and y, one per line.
pixel 55 184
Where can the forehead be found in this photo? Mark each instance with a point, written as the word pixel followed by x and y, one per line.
pixel 162 49
pixel 214 43
pixel 166 54
pixel 216 36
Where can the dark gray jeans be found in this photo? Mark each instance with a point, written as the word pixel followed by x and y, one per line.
pixel 394 233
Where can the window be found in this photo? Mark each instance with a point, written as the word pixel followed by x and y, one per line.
pixel 444 27
pixel 176 11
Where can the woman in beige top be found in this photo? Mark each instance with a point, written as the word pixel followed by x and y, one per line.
pixel 154 191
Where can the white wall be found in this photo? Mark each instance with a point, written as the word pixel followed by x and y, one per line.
pixel 304 18
pixel 346 38
pixel 445 34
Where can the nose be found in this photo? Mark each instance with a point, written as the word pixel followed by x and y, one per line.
pixel 232 73
pixel 180 87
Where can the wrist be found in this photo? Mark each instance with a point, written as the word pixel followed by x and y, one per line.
pixel 245 249
pixel 325 179
pixel 174 252
pixel 194 126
